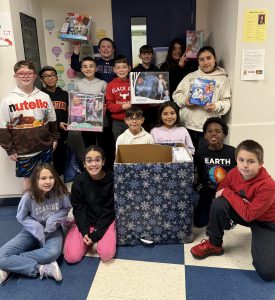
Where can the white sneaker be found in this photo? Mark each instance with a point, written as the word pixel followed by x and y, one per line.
pixel 3 276
pixel 50 270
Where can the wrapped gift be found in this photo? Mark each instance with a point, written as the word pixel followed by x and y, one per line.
pixel 153 199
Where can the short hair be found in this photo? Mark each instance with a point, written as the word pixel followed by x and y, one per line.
pixel 253 147
pixel 59 189
pixel 47 68
pixel 134 111
pixel 95 148
pixel 87 58
pixel 121 59
pixel 24 63
pixel 218 121
pixel 146 49
pixel 168 104
pixel 107 40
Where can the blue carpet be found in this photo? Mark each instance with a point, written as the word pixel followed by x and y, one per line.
pixel 204 283
pixel 77 280
pixel 172 254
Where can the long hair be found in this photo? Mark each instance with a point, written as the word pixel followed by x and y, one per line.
pixel 170 62
pixel 59 189
pixel 172 105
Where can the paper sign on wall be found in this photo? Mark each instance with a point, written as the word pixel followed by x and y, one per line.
pixel 6 34
pixel 252 67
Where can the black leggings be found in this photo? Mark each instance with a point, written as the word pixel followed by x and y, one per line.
pixel 263 236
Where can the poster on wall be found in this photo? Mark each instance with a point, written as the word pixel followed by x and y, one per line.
pixel 252 67
pixel 160 55
pixel 255 25
pixel 6 34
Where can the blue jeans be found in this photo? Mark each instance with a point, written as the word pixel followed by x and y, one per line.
pixel 23 254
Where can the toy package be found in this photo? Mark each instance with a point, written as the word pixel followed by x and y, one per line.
pixel 76 27
pixel 194 41
pixel 149 87
pixel 86 112
pixel 202 91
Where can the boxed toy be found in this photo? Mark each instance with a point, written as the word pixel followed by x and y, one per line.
pixel 194 41
pixel 202 91
pixel 149 87
pixel 153 196
pixel 85 112
pixel 76 27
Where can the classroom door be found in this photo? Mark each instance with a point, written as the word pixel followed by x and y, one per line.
pixel 165 21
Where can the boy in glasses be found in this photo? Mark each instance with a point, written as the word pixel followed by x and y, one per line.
pixel 28 128
pixel 135 134
pixel 60 100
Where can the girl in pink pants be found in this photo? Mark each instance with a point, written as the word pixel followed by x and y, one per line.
pixel 93 209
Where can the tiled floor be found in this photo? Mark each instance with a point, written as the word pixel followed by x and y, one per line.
pixel 159 272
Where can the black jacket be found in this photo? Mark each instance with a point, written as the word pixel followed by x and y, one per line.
pixel 93 204
pixel 140 68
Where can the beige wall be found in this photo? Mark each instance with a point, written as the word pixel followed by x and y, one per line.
pixel 9 184
pixel 252 115
pixel 8 57
pixel 101 20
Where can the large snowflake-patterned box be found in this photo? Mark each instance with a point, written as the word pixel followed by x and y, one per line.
pixel 152 196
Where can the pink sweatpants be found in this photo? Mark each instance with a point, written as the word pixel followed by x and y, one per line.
pixel 75 248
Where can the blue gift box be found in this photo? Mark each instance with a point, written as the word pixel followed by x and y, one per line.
pixel 153 200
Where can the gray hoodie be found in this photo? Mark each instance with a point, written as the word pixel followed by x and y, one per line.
pixel 42 218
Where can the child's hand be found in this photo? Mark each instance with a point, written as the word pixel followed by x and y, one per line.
pixel 76 47
pixel 183 60
pixel 13 157
pixel 54 145
pixel 219 193
pixel 87 240
pixel 210 107
pixel 63 125
pixel 126 106
pixel 188 104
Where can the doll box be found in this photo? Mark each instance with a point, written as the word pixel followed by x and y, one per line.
pixel 85 112
pixel 149 87
pixel 76 27
pixel 153 196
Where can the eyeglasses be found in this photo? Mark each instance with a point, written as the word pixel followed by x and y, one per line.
pixel 48 76
pixel 88 161
pixel 25 74
pixel 134 119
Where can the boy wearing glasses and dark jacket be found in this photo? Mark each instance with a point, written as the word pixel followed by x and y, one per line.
pixel 60 100
pixel 135 134
pixel 28 128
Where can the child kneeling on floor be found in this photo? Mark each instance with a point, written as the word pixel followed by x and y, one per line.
pixel 246 196
pixel 93 209
pixel 42 210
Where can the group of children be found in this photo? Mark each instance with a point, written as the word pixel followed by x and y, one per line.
pixel 31 123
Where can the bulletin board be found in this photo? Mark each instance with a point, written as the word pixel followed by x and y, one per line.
pixel 30 40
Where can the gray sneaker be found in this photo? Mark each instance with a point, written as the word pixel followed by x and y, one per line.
pixel 3 276
pixel 50 270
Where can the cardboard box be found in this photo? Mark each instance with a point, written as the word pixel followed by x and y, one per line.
pixel 152 196
pixel 76 27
